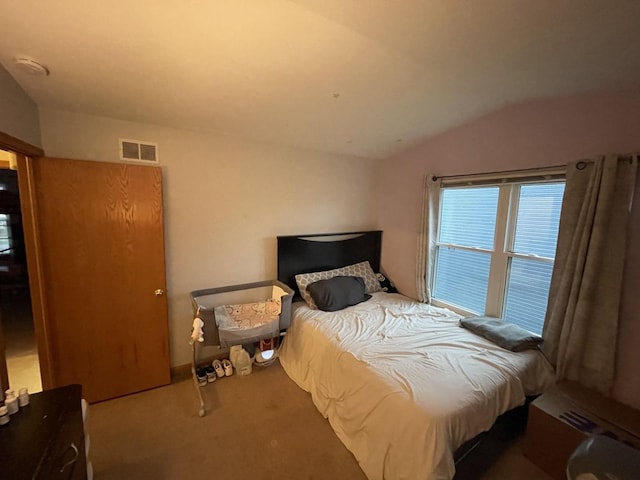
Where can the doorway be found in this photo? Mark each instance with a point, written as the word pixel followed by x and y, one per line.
pixel 16 316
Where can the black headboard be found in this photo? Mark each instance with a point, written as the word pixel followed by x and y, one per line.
pixel 326 251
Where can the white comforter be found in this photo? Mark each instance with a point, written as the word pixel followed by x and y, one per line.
pixel 402 384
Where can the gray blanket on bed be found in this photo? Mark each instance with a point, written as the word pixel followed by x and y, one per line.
pixel 504 334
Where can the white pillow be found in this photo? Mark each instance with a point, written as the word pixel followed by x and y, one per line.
pixel 362 269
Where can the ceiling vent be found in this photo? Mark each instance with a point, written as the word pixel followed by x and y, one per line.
pixel 139 151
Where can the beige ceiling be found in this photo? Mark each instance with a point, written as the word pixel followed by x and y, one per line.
pixel 360 77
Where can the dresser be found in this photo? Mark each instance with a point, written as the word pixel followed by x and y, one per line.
pixel 46 439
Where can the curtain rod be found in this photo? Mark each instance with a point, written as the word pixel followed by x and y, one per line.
pixel 580 165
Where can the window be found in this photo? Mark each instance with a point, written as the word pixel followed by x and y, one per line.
pixel 5 233
pixel 495 249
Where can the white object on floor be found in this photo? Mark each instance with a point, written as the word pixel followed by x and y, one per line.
pixel 228 368
pixel 233 355
pixel 265 356
pixel 217 365
pixel 243 363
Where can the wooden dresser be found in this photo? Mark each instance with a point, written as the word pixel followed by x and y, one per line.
pixel 45 439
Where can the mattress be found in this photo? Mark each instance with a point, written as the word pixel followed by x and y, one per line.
pixel 402 384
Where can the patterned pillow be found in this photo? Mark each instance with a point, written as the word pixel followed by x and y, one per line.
pixel 362 269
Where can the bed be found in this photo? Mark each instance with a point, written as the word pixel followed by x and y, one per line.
pixel 405 388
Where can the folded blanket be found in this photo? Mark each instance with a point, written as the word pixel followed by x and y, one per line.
pixel 504 334
pixel 242 316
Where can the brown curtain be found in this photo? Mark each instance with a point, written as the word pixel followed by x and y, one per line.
pixel 581 325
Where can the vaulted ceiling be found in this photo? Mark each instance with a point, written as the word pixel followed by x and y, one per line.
pixel 359 77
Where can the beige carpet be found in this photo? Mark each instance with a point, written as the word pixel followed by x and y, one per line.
pixel 257 427
pixel 21 350
pixel 24 371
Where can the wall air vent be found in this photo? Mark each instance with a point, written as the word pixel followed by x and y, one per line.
pixel 138 151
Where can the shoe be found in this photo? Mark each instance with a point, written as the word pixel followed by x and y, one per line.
pixel 228 368
pixel 201 375
pixel 217 365
pixel 211 374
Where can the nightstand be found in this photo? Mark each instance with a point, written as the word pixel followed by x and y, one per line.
pixel 46 439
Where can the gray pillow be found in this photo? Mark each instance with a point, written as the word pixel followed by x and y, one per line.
pixel 362 269
pixel 338 292
pixel 504 334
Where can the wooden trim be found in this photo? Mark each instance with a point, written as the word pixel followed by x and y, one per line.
pixel 4 374
pixel 180 372
pixel 28 205
pixel 7 142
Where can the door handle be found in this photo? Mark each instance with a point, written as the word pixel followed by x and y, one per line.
pixel 159 292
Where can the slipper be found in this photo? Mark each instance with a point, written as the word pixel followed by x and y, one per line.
pixel 228 368
pixel 217 364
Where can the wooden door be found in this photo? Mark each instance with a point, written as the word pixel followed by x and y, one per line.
pixel 102 246
pixel 4 373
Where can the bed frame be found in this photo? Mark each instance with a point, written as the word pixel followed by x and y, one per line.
pixel 326 251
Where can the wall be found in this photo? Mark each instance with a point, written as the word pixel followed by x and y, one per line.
pixel 226 200
pixel 535 134
pixel 18 113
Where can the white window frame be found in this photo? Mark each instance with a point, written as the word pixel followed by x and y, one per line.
pixel 504 237
pixel 6 241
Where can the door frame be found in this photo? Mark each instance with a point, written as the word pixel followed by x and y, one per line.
pixel 26 153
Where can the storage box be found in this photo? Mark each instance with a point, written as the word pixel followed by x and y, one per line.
pixel 560 419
